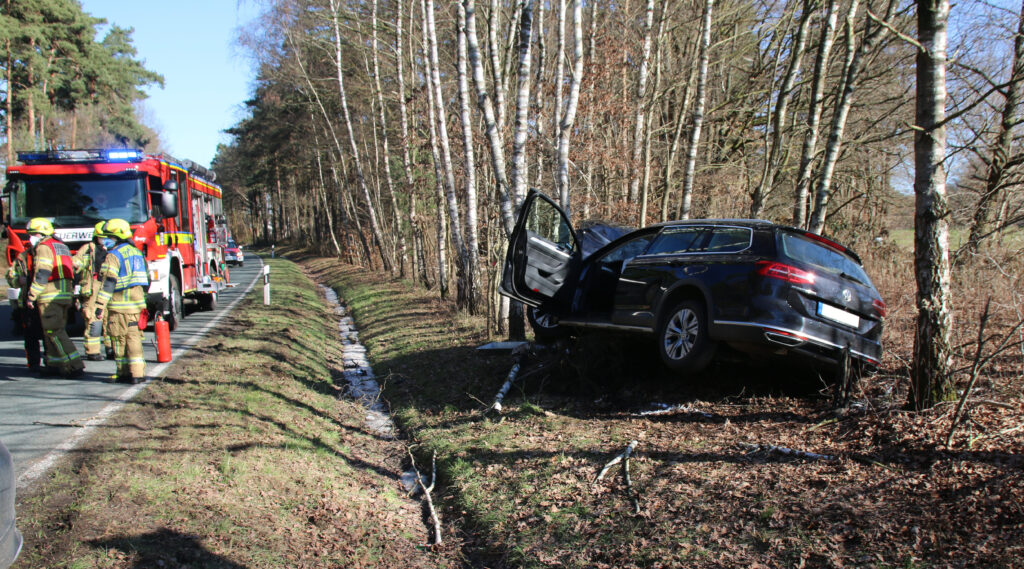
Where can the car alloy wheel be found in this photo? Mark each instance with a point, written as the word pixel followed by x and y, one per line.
pixel 683 338
pixel 681 334
pixel 545 325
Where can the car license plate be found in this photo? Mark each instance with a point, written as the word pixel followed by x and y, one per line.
pixel 837 315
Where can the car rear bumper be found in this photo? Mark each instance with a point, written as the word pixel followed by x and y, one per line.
pixel 807 339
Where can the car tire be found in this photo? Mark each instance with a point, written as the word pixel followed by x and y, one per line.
pixel 683 341
pixel 545 325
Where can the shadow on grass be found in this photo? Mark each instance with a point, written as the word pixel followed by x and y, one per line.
pixel 165 548
pixel 291 432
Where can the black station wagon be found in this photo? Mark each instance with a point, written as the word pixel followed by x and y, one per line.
pixel 764 289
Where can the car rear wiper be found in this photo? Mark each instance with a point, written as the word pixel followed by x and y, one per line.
pixel 852 278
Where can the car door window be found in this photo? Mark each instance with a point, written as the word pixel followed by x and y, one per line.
pixel 729 240
pixel 674 240
pixel 546 222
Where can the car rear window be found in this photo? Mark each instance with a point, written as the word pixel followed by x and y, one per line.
pixel 805 250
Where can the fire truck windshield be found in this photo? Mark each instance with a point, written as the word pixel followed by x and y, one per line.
pixel 77 201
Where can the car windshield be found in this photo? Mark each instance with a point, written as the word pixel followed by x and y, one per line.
pixel 231 244
pixel 75 201
pixel 800 248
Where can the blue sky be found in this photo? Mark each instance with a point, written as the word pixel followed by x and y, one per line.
pixel 206 79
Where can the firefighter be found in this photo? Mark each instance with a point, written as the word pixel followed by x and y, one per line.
pixel 50 293
pixel 26 321
pixel 123 297
pixel 87 263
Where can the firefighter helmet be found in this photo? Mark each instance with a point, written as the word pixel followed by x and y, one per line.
pixel 98 230
pixel 118 228
pixel 41 226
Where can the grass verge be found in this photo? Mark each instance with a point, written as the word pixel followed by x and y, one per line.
pixel 242 456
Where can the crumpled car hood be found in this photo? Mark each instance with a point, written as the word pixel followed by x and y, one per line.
pixel 596 234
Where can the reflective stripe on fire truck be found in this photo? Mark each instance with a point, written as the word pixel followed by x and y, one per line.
pixel 177 238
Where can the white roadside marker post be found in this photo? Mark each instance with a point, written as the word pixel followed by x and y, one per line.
pixel 266 285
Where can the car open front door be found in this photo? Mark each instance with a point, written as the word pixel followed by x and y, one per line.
pixel 541 252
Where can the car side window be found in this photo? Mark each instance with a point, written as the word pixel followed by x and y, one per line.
pixel 547 222
pixel 729 240
pixel 627 250
pixel 679 240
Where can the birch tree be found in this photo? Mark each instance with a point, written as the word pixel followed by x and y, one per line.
pixel 931 381
pixel 641 101
pixel 371 211
pixel 447 170
pixel 698 111
pixel 569 116
pixel 472 259
pixel 803 178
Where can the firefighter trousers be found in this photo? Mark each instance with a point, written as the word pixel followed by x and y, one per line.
pixel 93 345
pixel 61 353
pixel 123 329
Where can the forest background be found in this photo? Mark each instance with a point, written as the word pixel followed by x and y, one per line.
pixel 401 135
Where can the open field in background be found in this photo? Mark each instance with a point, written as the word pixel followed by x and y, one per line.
pixel 243 456
pixel 1012 240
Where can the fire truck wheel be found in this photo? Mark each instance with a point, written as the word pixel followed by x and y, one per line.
pixel 177 310
pixel 208 302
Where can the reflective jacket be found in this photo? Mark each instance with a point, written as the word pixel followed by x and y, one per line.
pixel 52 271
pixel 124 278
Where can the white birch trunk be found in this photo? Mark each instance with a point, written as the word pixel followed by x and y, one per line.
pixel 370 210
pixel 442 226
pixel 933 357
pixel 803 183
pixel 641 103
pixel 472 260
pixel 455 225
pixel 569 117
pixel 410 188
pixel 496 69
pixel 495 137
pixel 519 170
pixel 778 124
pixel 561 190
pixel 698 111
pixel 403 252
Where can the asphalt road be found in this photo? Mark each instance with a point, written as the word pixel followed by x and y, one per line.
pixel 43 418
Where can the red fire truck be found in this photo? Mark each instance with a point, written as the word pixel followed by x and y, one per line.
pixel 173 206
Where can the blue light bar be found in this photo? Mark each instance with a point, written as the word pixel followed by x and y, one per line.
pixel 114 155
pixel 80 156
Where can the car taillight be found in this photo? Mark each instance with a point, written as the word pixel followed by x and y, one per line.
pixel 785 272
pixel 879 307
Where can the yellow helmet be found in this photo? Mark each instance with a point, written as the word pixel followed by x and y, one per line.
pixel 118 228
pixel 98 230
pixel 40 225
